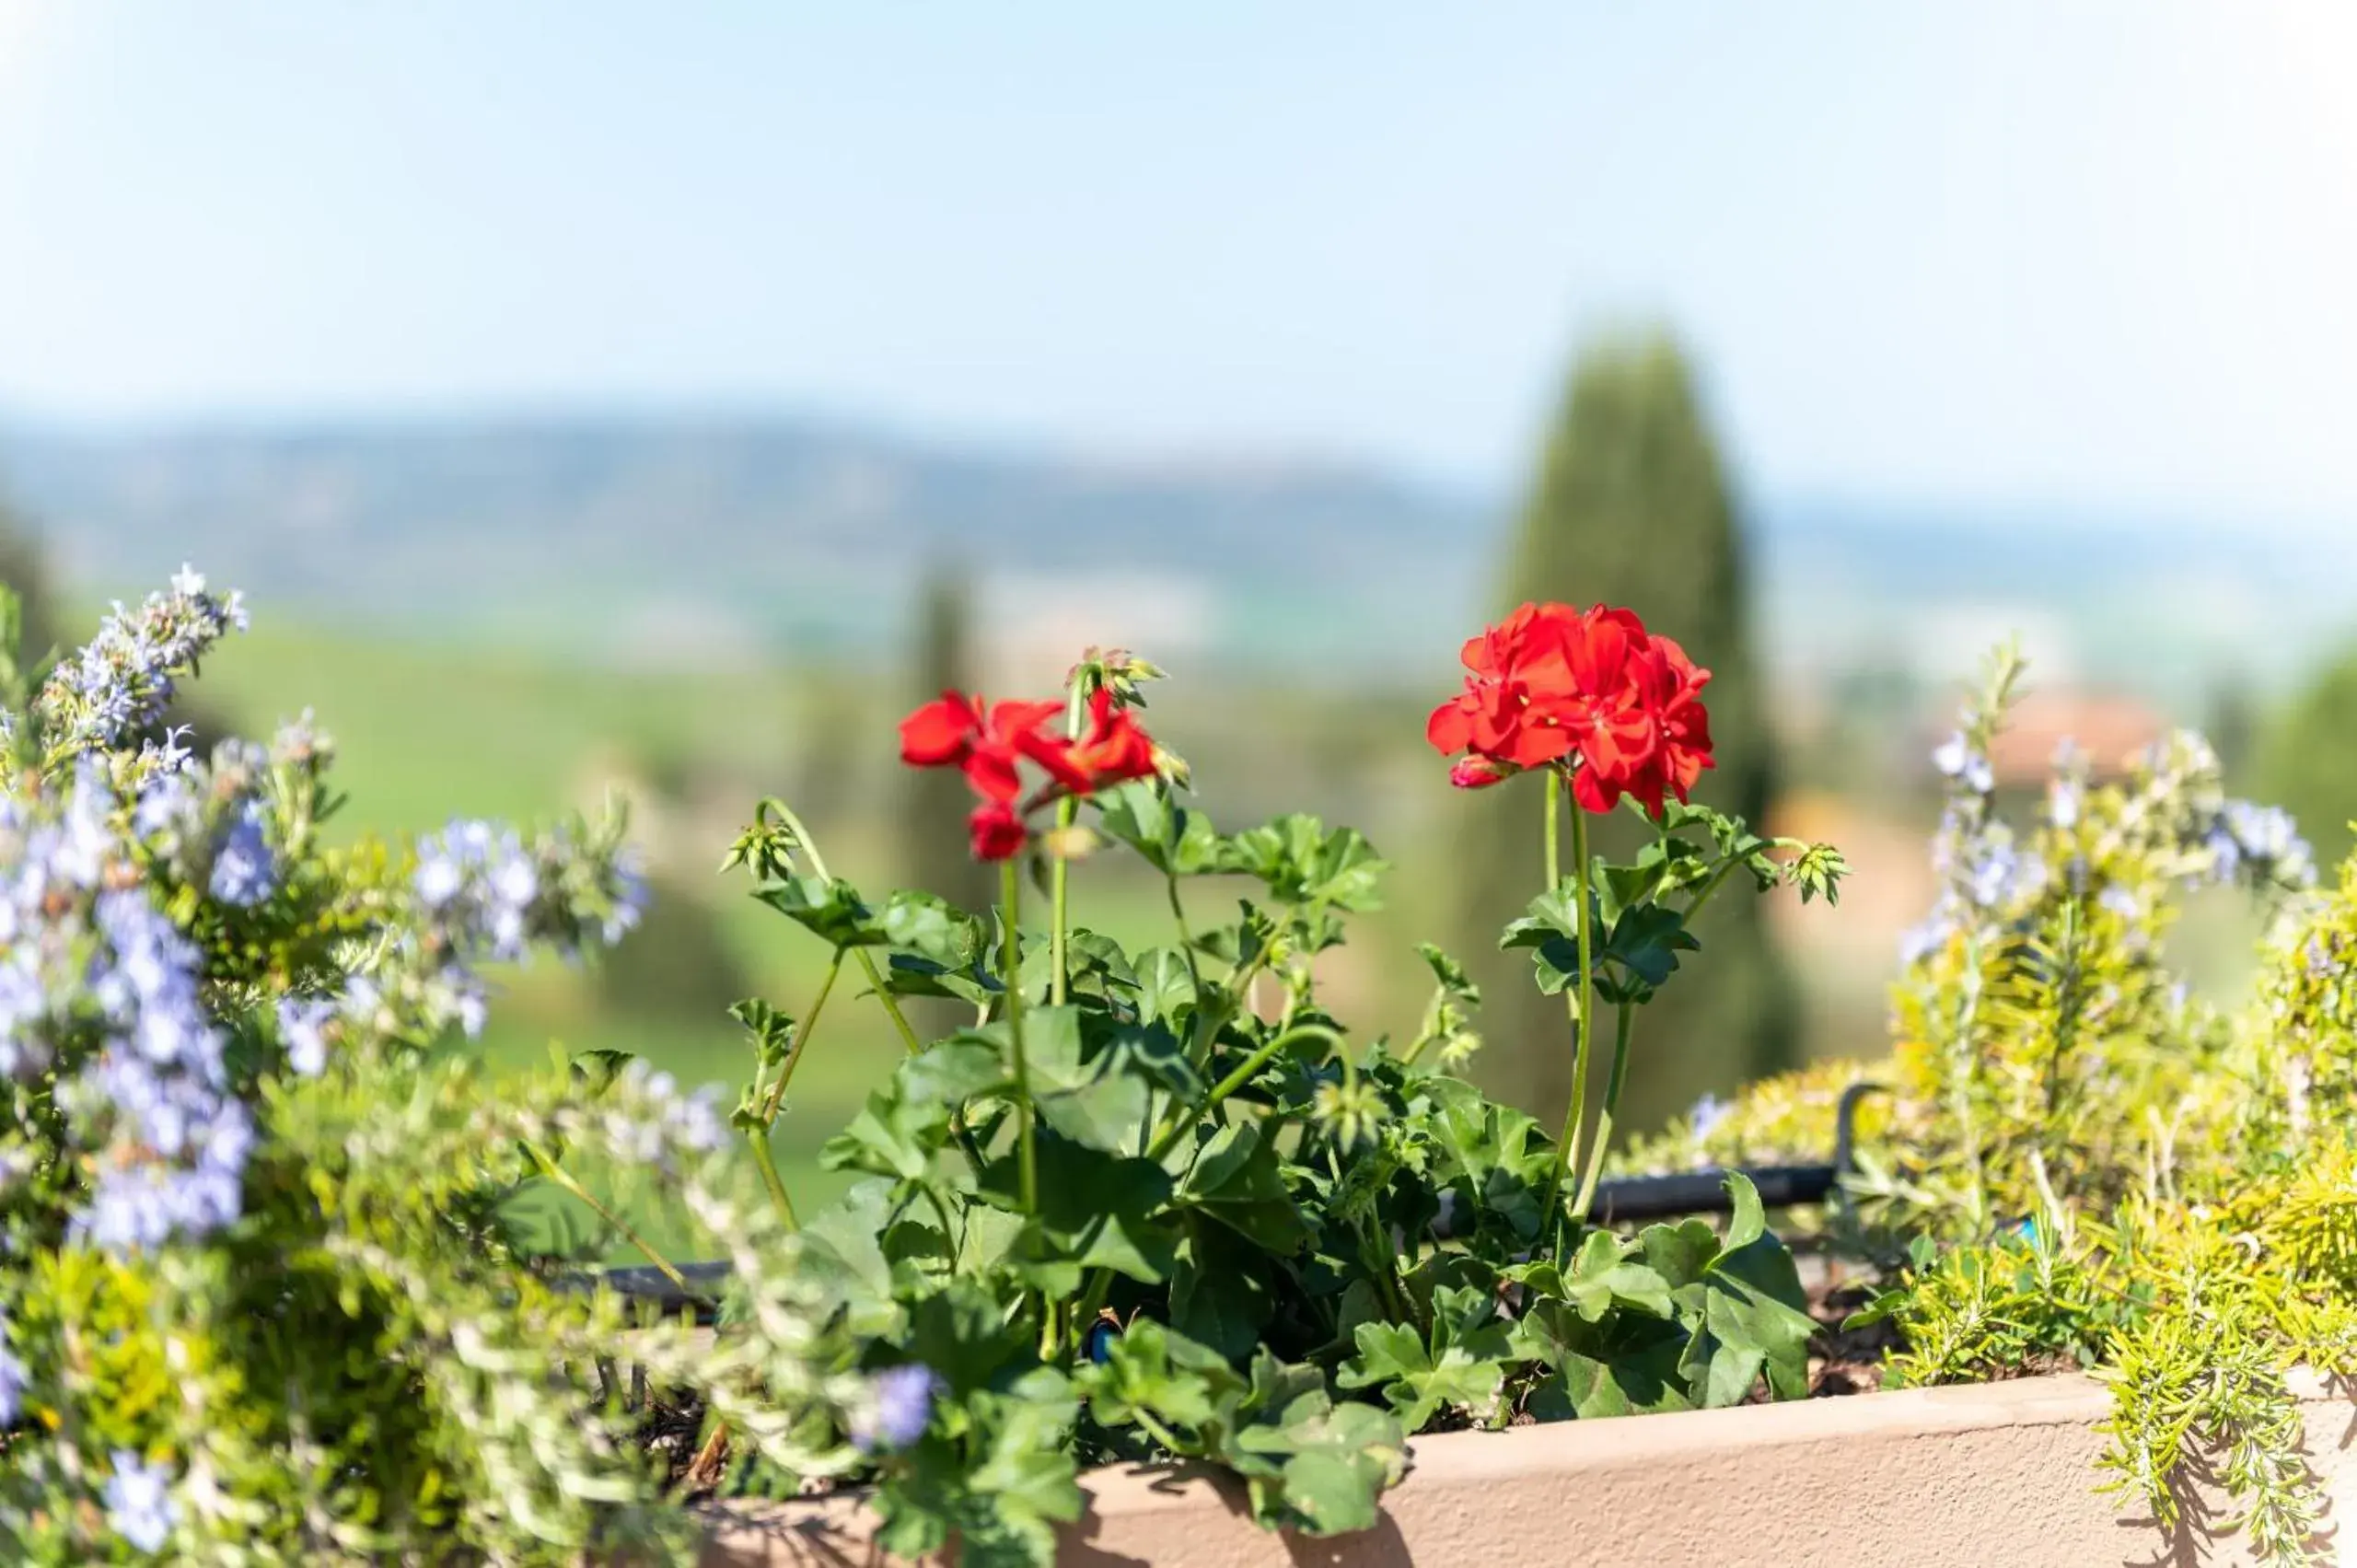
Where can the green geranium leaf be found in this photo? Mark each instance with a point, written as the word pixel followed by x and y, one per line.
pixel 829 908
pixel 1217 1294
pixel 598 1068
pixel 1602 1279
pixel 1238 1180
pixel 1757 1311
pixel 1166 986
pixel 1644 1381
pixel 1461 1364
pixel 1343 1455
pixel 1243 941
pixel 934 930
pixel 843 1247
pixel 1096 1210
pixel 1303 863
pixel 1747 1222
pixel 1166 1374
pixel 1493 1151
pixel 1095 965
pixel 1145 815
pixel 889 1136
pixel 1679 1254
pixel 1099 1096
pixel 905 1123
pixel 1554 913
pixel 1447 972
pixel 960 1332
pixel 772 1030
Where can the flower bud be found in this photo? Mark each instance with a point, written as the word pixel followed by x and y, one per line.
pixel 1076 841
pixel 1480 773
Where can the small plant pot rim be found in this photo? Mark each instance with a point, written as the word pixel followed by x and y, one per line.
pixel 1995 1473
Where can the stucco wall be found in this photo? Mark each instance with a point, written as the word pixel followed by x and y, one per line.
pixel 2001 1476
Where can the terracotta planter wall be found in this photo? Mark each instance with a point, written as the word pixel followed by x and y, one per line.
pixel 1998 1476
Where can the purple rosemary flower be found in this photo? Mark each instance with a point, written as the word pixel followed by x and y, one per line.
pixel 122 683
pixel 1956 758
pixel 139 1502
pixel 1928 936
pixel 14 1379
pixel 303 1024
pixel 243 870
pixel 900 1406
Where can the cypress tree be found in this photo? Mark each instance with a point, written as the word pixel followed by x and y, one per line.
pixel 2307 759
pixel 22 568
pixel 935 854
pixel 1631 507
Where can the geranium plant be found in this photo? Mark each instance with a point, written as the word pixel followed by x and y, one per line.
pixel 1145 1205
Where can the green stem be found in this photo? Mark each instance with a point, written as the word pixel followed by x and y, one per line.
pixel 795 825
pixel 1574 1123
pixel 1067 809
pixel 760 1139
pixel 564 1178
pixel 1604 1120
pixel 801 1037
pixel 1185 936
pixel 1161 1434
pixel 1709 887
pixel 1011 897
pixel 892 1007
pixel 1555 832
pixel 801 832
pixel 1242 1075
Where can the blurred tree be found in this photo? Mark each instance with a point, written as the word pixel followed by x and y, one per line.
pixel 2306 760
pixel 935 853
pixel 2232 727
pixel 1632 507
pixel 677 966
pixel 21 567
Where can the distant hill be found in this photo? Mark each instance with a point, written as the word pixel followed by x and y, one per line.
pixel 793 536
pixel 633 539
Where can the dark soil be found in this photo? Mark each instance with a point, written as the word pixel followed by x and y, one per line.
pixel 1845 1361
pixel 1840 1361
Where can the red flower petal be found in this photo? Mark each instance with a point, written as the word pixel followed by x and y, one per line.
pixel 1593 792
pixel 941 732
pixel 996 831
pixel 993 770
pixel 1113 748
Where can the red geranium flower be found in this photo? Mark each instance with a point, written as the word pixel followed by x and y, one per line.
pixel 1670 685
pixel 942 731
pixel 990 744
pixel 1591 692
pixel 1606 713
pixel 997 831
pixel 1511 709
pixel 1113 748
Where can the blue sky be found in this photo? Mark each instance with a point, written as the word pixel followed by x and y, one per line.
pixel 2098 256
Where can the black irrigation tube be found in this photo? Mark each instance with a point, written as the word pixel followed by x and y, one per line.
pixel 1619 1200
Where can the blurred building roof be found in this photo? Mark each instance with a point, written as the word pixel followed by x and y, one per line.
pixel 2110 728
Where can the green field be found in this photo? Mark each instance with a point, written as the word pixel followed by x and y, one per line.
pixel 427 733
